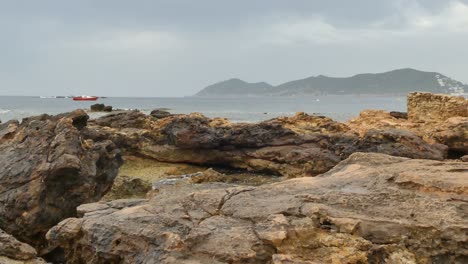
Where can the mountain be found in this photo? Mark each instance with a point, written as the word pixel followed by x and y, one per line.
pixel 399 81
pixel 236 87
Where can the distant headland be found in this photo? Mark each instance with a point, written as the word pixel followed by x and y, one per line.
pixel 399 81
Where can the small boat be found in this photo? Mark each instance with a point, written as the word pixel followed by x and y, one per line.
pixel 85 98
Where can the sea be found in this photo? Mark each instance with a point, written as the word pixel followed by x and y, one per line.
pixel 236 109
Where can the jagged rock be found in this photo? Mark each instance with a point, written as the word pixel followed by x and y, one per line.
pixel 369 208
pixel 435 107
pixel 124 119
pixel 47 169
pixel 452 132
pixel 301 145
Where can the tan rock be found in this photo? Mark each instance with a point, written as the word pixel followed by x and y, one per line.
pixel 13 251
pixel 369 208
pixel 435 107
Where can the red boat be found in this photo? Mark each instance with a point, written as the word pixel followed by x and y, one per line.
pixel 85 98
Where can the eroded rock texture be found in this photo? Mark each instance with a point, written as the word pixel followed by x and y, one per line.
pixel 369 208
pixel 435 107
pixel 302 145
pixel 47 169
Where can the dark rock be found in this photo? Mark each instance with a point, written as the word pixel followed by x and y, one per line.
pixel 97 107
pixel 47 169
pixel 159 113
pixel 399 115
pixel 107 108
pixel 101 108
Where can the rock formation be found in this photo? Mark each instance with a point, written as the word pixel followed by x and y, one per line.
pixel 47 169
pixel 160 113
pixel 435 107
pixel 301 145
pixel 101 108
pixel 13 251
pixel 436 118
pixel 369 208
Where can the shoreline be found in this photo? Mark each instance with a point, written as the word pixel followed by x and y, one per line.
pixel 186 187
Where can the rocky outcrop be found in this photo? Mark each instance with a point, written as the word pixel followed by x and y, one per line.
pixel 101 108
pixel 47 169
pixel 301 145
pixel 452 132
pixel 369 208
pixel 435 107
pixel 14 251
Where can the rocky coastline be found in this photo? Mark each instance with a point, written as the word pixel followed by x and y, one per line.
pixel 384 187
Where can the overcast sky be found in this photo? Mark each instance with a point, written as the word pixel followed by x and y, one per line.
pixel 175 47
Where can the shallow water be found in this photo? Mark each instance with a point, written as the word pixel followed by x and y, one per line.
pixel 245 109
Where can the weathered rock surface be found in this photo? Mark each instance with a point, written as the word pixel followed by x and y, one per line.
pixel 293 146
pixel 125 187
pixel 435 107
pixel 47 169
pixel 369 208
pixel 452 132
pixel 14 251
pixel 434 117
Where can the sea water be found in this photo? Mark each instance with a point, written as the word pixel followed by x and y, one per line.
pixel 236 109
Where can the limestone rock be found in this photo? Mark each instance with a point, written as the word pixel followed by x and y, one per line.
pixel 369 208
pixel 435 107
pixel 47 169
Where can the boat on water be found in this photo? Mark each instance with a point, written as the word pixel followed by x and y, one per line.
pixel 85 98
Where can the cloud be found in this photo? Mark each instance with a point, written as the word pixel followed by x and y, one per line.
pixel 453 18
pixel 134 41
pixel 410 21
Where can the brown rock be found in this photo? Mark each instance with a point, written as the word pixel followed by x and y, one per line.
pixel 441 121
pixel 209 175
pixel 435 107
pixel 47 169
pixel 125 187
pixel 12 248
pixel 369 208
pixel 302 145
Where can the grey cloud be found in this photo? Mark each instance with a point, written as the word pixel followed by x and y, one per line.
pixel 174 48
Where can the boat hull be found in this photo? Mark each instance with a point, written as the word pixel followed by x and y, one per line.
pixel 85 98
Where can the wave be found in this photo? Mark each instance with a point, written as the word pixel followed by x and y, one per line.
pixel 4 111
